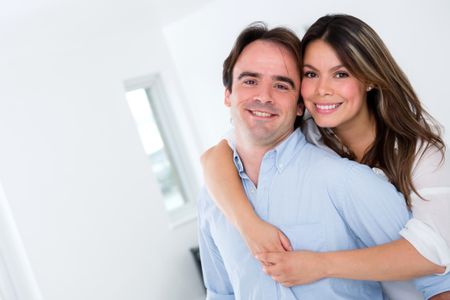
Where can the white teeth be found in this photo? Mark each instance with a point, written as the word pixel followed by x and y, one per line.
pixel 261 114
pixel 327 107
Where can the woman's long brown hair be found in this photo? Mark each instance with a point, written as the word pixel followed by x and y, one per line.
pixel 403 128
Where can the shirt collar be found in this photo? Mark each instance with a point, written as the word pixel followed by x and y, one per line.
pixel 282 153
pixel 286 150
pixel 236 159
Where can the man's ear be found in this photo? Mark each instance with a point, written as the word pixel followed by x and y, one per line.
pixel 227 100
pixel 300 109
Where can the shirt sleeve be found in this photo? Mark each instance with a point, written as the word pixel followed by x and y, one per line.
pixel 429 229
pixel 428 242
pixel 430 286
pixel 215 276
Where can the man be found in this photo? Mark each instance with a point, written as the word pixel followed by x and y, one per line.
pixel 321 202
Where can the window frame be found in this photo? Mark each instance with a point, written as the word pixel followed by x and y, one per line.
pixel 174 143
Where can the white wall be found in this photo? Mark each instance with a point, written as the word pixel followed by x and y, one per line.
pixel 73 170
pixel 416 32
pixel 16 275
pixel 79 185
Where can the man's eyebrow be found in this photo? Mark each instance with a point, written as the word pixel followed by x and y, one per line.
pixel 248 74
pixel 277 77
pixel 285 79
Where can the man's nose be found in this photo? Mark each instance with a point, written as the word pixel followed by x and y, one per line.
pixel 264 94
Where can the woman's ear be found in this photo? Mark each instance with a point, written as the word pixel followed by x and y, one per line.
pixel 300 109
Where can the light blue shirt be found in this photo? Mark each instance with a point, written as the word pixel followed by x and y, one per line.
pixel 322 203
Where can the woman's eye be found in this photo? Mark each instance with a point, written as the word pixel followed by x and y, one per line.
pixel 341 75
pixel 309 74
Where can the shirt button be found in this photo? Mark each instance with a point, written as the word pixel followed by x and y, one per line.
pixel 252 190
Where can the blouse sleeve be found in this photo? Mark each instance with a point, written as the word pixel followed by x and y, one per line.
pixel 429 229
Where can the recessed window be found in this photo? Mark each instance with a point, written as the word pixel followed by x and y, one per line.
pixel 162 144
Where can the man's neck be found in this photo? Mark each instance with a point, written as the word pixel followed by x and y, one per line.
pixel 252 154
pixel 251 157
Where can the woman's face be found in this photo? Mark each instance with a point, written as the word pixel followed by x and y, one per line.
pixel 333 96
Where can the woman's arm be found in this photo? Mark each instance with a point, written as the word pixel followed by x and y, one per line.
pixel 225 187
pixel 397 260
pixel 442 296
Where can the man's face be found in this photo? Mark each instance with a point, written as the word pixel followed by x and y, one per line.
pixel 265 90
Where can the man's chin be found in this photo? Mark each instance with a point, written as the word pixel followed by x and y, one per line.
pixel 264 137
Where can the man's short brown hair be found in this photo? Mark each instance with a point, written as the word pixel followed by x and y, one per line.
pixel 259 31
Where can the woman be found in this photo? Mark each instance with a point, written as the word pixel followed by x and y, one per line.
pixel 365 110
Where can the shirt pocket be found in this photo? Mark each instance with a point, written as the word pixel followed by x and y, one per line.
pixel 305 236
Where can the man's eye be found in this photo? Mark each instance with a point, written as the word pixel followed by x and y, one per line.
pixel 281 86
pixel 341 75
pixel 250 82
pixel 309 74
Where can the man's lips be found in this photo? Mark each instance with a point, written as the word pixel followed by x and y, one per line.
pixel 262 114
pixel 261 111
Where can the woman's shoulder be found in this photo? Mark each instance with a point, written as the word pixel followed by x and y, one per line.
pixel 431 167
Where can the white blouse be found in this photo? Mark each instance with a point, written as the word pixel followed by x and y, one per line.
pixel 429 229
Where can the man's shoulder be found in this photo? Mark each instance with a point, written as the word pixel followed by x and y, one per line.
pixel 320 157
pixel 203 198
pixel 332 165
pixel 205 204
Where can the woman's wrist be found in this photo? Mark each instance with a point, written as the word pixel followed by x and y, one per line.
pixel 246 220
pixel 326 265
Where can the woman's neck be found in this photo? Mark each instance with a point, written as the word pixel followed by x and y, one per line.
pixel 358 139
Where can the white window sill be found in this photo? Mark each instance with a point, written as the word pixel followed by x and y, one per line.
pixel 180 216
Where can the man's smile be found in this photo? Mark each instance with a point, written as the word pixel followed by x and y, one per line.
pixel 261 114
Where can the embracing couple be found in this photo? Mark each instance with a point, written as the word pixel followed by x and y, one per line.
pixel 333 183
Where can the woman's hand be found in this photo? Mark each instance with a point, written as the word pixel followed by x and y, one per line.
pixel 262 237
pixel 293 268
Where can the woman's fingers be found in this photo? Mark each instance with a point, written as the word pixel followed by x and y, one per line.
pixel 285 241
